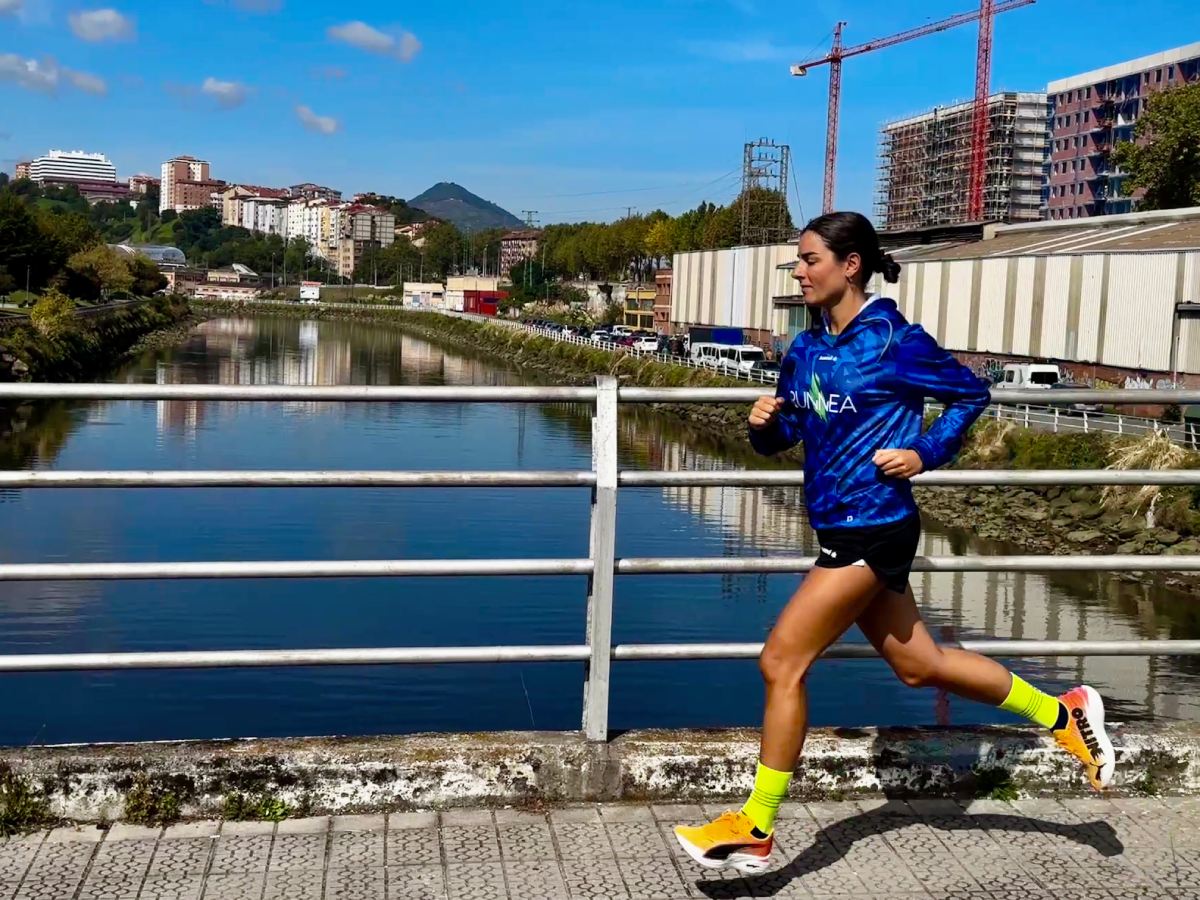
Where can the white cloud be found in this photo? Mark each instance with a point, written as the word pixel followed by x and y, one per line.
pixel 228 94
pixel 29 73
pixel 739 51
pixel 319 124
pixel 10 7
pixel 101 25
pixel 403 47
pixel 250 6
pixel 335 72
pixel 87 83
pixel 46 75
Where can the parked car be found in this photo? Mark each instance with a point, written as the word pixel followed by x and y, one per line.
pixel 1081 406
pixel 739 359
pixel 646 344
pixel 600 336
pixel 764 370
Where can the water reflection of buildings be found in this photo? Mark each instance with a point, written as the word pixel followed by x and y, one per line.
pixel 959 605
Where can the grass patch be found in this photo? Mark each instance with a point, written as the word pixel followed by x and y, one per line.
pixel 261 808
pixel 994 783
pixel 22 807
pixel 149 803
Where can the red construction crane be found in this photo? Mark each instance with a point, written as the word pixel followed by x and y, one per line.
pixel 983 70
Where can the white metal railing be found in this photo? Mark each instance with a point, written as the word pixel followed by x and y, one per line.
pixel 596 650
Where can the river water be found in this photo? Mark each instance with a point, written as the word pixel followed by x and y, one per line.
pixel 296 524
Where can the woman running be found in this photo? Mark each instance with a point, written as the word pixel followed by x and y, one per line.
pixel 853 389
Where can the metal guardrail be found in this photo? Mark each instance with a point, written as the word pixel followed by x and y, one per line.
pixel 600 567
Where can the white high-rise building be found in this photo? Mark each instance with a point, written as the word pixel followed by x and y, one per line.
pixel 72 165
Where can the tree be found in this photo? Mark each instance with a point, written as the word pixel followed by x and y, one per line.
pixel 442 243
pixel 1164 158
pixel 147 279
pixel 297 255
pixel 53 314
pixel 20 243
pixel 97 272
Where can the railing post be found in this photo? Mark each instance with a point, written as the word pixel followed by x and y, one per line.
pixel 603 552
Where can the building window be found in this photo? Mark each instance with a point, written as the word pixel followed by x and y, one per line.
pixel 1158 77
pixel 1089 93
pixel 1086 116
pixel 1170 73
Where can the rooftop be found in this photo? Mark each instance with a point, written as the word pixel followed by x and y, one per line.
pixel 1120 70
pixel 1162 231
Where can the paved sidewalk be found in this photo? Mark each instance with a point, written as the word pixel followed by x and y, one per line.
pixel 1026 850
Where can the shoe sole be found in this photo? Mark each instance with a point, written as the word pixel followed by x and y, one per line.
pixel 742 862
pixel 1094 709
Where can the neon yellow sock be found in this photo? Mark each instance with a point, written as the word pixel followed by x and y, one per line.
pixel 770 787
pixel 1028 702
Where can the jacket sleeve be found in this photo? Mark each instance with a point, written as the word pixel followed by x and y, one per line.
pixel 784 431
pixel 924 368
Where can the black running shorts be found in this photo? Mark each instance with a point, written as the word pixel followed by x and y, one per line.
pixel 888 549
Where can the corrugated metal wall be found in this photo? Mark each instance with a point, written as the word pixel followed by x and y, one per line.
pixel 1115 309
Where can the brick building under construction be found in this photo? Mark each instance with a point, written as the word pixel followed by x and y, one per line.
pixel 925 164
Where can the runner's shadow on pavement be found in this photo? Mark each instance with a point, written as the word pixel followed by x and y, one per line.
pixel 956 834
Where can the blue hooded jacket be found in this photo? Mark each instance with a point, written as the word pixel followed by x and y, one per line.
pixel 849 395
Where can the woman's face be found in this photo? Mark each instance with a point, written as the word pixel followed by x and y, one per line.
pixel 824 279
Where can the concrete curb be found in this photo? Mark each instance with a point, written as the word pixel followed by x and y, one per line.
pixel 354 775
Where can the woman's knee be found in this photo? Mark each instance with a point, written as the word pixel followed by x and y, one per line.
pixel 918 671
pixel 781 666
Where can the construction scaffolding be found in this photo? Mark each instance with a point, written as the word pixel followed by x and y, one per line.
pixel 763 198
pixel 925 164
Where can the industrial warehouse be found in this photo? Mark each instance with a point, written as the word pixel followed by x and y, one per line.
pixel 1115 298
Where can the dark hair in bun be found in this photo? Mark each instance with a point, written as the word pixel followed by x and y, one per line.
pixel 850 232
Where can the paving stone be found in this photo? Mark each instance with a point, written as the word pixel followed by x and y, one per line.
pixel 241 854
pixel 15 857
pixel 471 844
pixel 528 843
pixel 359 849
pixel 467 818
pixel 622 812
pixel 233 886
pixel 76 834
pixel 519 817
pixel 593 879
pixel 476 881
pixel 242 829
pixel 535 880
pixel 356 883
pixel 677 813
pixel 48 887
pixel 652 879
pixel 172 887
pixel 359 823
pixel 636 839
pixel 719 884
pixel 181 856
pixel 298 852
pixel 109 889
pixel 582 840
pixel 310 825
pixel 191 830
pixel 575 815
pixel 409 820
pixel 414 847
pixel 416 883
pixel 61 859
pixel 297 884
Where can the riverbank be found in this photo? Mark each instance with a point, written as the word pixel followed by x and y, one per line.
pixel 547 359
pixel 95 345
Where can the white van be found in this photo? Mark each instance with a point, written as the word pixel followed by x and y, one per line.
pixel 739 359
pixel 706 354
pixel 1029 376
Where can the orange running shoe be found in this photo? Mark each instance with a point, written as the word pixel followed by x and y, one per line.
pixel 1084 736
pixel 727 843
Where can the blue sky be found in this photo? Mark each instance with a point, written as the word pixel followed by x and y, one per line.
pixel 577 109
